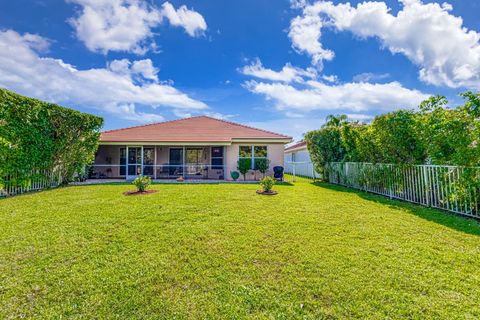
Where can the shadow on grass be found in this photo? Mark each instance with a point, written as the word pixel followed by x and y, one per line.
pixel 445 218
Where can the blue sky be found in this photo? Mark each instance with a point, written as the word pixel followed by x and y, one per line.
pixel 278 65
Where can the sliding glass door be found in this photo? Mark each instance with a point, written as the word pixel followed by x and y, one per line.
pixel 134 164
pixel 148 161
pixel 176 161
pixel 194 158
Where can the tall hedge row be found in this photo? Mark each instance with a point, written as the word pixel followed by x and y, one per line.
pixel 431 134
pixel 37 135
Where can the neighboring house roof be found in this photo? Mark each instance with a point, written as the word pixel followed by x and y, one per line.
pixel 297 146
pixel 194 129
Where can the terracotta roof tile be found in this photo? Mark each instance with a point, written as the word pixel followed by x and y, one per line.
pixel 194 129
pixel 296 145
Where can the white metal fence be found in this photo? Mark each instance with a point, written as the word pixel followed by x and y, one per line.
pixel 301 169
pixel 35 180
pixel 450 188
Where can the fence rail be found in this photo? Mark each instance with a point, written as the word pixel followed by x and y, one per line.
pixel 450 188
pixel 35 180
pixel 301 169
pixel 188 171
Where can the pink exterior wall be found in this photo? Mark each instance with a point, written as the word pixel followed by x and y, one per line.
pixel 110 155
pixel 274 153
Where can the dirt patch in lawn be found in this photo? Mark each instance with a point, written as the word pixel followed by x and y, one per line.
pixel 138 193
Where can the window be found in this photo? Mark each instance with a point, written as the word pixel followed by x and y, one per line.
pixel 293 156
pixel 245 152
pixel 253 152
pixel 260 151
pixel 217 158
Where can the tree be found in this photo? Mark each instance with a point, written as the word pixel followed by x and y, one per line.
pixel 244 165
pixel 262 165
pixel 397 137
pixel 325 145
pixel 336 121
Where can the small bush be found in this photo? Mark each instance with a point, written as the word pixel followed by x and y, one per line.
pixel 244 165
pixel 142 183
pixel 267 183
pixel 262 165
pixel 235 175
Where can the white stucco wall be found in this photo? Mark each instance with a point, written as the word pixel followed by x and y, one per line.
pixel 303 163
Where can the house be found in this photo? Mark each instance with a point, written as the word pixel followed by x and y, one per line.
pixel 297 160
pixel 194 148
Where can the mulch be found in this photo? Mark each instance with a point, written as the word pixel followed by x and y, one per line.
pixel 138 193
pixel 270 193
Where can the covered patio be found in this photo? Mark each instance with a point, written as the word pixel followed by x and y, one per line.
pixel 159 162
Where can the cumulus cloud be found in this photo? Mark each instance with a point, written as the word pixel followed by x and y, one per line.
pixel 120 88
pixel 357 97
pixel 305 33
pixel 192 21
pixel 288 73
pixel 446 52
pixel 126 25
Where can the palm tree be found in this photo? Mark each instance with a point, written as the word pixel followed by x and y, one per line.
pixel 336 121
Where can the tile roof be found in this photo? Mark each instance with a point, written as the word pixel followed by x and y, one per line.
pixel 297 145
pixel 194 129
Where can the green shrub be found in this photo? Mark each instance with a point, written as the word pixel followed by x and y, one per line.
pixel 142 183
pixel 267 183
pixel 262 165
pixel 235 175
pixel 37 135
pixel 244 165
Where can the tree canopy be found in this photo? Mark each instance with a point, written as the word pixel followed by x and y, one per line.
pixel 432 134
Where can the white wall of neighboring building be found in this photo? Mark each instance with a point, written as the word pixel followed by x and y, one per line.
pixel 300 161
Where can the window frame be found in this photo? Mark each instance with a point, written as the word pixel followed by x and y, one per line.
pixel 252 151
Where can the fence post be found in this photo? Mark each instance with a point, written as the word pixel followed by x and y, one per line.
pixel 427 185
pixel 293 171
pixel 390 181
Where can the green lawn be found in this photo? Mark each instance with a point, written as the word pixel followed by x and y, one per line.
pixel 221 251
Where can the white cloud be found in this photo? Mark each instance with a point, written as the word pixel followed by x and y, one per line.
pixel 193 22
pixel 126 25
pixel 119 88
pixel 359 117
pixel 331 78
pixel 305 32
pixel 446 52
pixel 369 77
pixel 349 96
pixel 295 127
pixel 288 73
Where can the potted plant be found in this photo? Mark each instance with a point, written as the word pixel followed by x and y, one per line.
pixel 235 175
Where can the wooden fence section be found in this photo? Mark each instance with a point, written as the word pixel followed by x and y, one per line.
pixel 449 188
pixel 35 181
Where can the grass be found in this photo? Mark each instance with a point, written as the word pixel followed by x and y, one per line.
pixel 221 251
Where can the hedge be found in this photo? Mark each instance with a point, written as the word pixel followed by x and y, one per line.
pixel 37 135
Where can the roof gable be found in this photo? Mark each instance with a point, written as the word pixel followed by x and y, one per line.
pixel 194 129
pixel 297 146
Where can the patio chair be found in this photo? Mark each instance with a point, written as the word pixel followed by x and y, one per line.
pixel 278 173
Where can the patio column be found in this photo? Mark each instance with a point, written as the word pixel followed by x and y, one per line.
pixel 141 159
pixel 183 162
pixel 126 162
pixel 155 163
